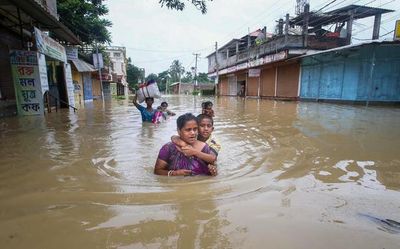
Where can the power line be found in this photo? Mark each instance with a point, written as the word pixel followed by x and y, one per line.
pixel 165 51
pixel 326 5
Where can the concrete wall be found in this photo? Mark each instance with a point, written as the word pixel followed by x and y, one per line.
pixel 8 41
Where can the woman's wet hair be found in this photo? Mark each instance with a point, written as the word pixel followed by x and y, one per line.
pixel 183 119
pixel 200 117
pixel 164 104
pixel 149 98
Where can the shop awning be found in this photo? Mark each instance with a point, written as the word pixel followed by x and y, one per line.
pixel 46 20
pixel 83 66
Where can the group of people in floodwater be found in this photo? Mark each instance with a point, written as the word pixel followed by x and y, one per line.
pixel 194 150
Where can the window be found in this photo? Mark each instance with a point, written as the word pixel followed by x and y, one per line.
pixel 117 54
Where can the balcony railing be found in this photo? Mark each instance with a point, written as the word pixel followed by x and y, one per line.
pixel 277 44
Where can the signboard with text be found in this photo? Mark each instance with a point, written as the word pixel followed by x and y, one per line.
pixel 26 76
pixel 254 72
pixel 72 53
pixel 258 62
pixel 98 60
pixel 69 84
pixel 49 47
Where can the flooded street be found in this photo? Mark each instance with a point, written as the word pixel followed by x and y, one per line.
pixel 291 175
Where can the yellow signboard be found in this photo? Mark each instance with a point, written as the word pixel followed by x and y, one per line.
pixel 397 31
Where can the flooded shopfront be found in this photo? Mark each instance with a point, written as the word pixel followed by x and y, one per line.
pixel 291 175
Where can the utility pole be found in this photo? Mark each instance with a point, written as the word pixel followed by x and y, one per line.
pixel 98 67
pixel 305 24
pixel 195 70
pixel 217 68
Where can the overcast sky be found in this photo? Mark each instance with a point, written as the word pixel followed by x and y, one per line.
pixel 155 36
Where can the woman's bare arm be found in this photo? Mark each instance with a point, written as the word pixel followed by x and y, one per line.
pixel 161 168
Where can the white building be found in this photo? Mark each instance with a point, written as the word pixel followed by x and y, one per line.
pixel 117 70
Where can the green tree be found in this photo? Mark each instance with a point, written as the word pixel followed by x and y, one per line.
pixel 84 18
pixel 164 78
pixel 152 76
pixel 180 5
pixel 133 75
pixel 203 77
pixel 188 78
pixel 176 70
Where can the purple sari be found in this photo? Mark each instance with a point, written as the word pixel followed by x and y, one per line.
pixel 177 160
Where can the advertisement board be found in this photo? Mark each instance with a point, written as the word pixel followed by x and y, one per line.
pixel 27 85
pixel 254 72
pixel 49 47
pixel 69 84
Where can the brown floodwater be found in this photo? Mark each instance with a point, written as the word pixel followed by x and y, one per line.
pixel 291 175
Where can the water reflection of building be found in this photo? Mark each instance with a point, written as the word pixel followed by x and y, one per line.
pixel 17 22
pixel 188 88
pixel 273 67
pixel 180 219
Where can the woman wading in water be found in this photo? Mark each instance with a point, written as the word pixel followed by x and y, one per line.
pixel 192 159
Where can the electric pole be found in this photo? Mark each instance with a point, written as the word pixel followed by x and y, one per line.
pixel 217 67
pixel 195 70
pixel 99 71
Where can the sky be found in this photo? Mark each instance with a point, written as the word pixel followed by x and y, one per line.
pixel 154 36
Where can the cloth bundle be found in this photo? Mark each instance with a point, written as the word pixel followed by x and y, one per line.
pixel 148 90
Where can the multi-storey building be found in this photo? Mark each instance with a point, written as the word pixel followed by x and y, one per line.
pixel 269 65
pixel 116 70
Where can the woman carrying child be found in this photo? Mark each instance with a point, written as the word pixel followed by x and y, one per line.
pixel 206 127
pixel 192 159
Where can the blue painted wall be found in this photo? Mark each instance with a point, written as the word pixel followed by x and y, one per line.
pixel 353 74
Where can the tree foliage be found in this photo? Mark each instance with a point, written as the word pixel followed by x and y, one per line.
pixel 164 79
pixel 180 5
pixel 133 74
pixel 84 18
pixel 176 70
pixel 152 76
pixel 203 78
pixel 188 78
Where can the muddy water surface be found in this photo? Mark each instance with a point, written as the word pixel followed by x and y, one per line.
pixel 291 175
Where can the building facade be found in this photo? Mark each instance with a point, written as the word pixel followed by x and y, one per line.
pixel 35 73
pixel 116 70
pixel 267 65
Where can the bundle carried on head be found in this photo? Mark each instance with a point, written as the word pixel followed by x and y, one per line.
pixel 148 90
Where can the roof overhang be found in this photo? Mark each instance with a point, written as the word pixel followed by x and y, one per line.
pixel 82 66
pixel 352 46
pixel 45 19
pixel 338 15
